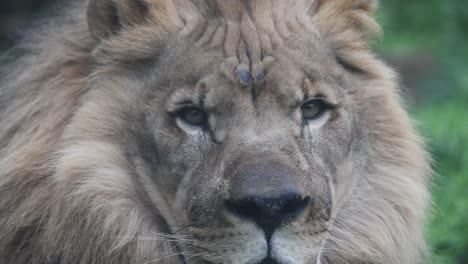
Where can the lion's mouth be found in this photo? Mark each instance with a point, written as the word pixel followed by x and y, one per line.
pixel 281 247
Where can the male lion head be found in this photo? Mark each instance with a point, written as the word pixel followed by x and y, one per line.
pixel 213 131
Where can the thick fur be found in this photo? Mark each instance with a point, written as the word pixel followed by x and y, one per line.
pixel 79 132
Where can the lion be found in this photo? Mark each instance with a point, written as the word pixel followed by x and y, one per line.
pixel 208 131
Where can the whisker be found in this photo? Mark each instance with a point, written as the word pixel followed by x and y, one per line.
pixel 201 255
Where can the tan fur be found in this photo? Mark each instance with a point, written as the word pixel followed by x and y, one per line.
pixel 95 170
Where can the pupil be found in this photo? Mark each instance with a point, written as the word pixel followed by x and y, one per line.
pixel 194 116
pixel 311 106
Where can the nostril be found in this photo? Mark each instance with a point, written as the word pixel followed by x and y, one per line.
pixel 244 207
pixel 269 213
pixel 294 206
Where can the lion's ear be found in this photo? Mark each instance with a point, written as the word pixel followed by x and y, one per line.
pixel 338 16
pixel 106 17
pixel 347 26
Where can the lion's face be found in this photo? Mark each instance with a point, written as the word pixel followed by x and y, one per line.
pixel 248 169
pixel 242 162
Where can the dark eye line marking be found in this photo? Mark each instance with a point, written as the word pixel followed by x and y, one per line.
pixel 185 103
pixel 319 96
pixel 180 106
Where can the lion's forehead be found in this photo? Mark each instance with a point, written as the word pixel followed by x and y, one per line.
pixel 252 40
pixel 250 35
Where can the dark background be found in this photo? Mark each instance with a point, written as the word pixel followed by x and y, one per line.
pixel 427 41
pixel 17 14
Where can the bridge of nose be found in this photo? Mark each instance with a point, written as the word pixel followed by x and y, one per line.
pixel 264 177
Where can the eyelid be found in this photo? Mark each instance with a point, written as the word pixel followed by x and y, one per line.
pixel 176 107
pixel 180 107
pixel 184 104
pixel 324 99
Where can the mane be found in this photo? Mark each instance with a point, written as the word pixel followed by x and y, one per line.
pixel 39 96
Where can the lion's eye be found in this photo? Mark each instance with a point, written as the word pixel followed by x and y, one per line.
pixel 313 109
pixel 193 116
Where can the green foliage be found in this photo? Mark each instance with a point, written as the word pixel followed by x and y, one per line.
pixel 440 30
pixel 434 25
pixel 448 133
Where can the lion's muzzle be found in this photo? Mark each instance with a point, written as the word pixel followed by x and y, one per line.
pixel 269 212
pixel 269 194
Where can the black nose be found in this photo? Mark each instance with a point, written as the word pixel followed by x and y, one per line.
pixel 269 213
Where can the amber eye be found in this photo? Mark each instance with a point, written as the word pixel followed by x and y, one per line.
pixel 194 116
pixel 313 109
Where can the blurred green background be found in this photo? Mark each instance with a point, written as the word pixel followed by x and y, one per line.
pixel 427 42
